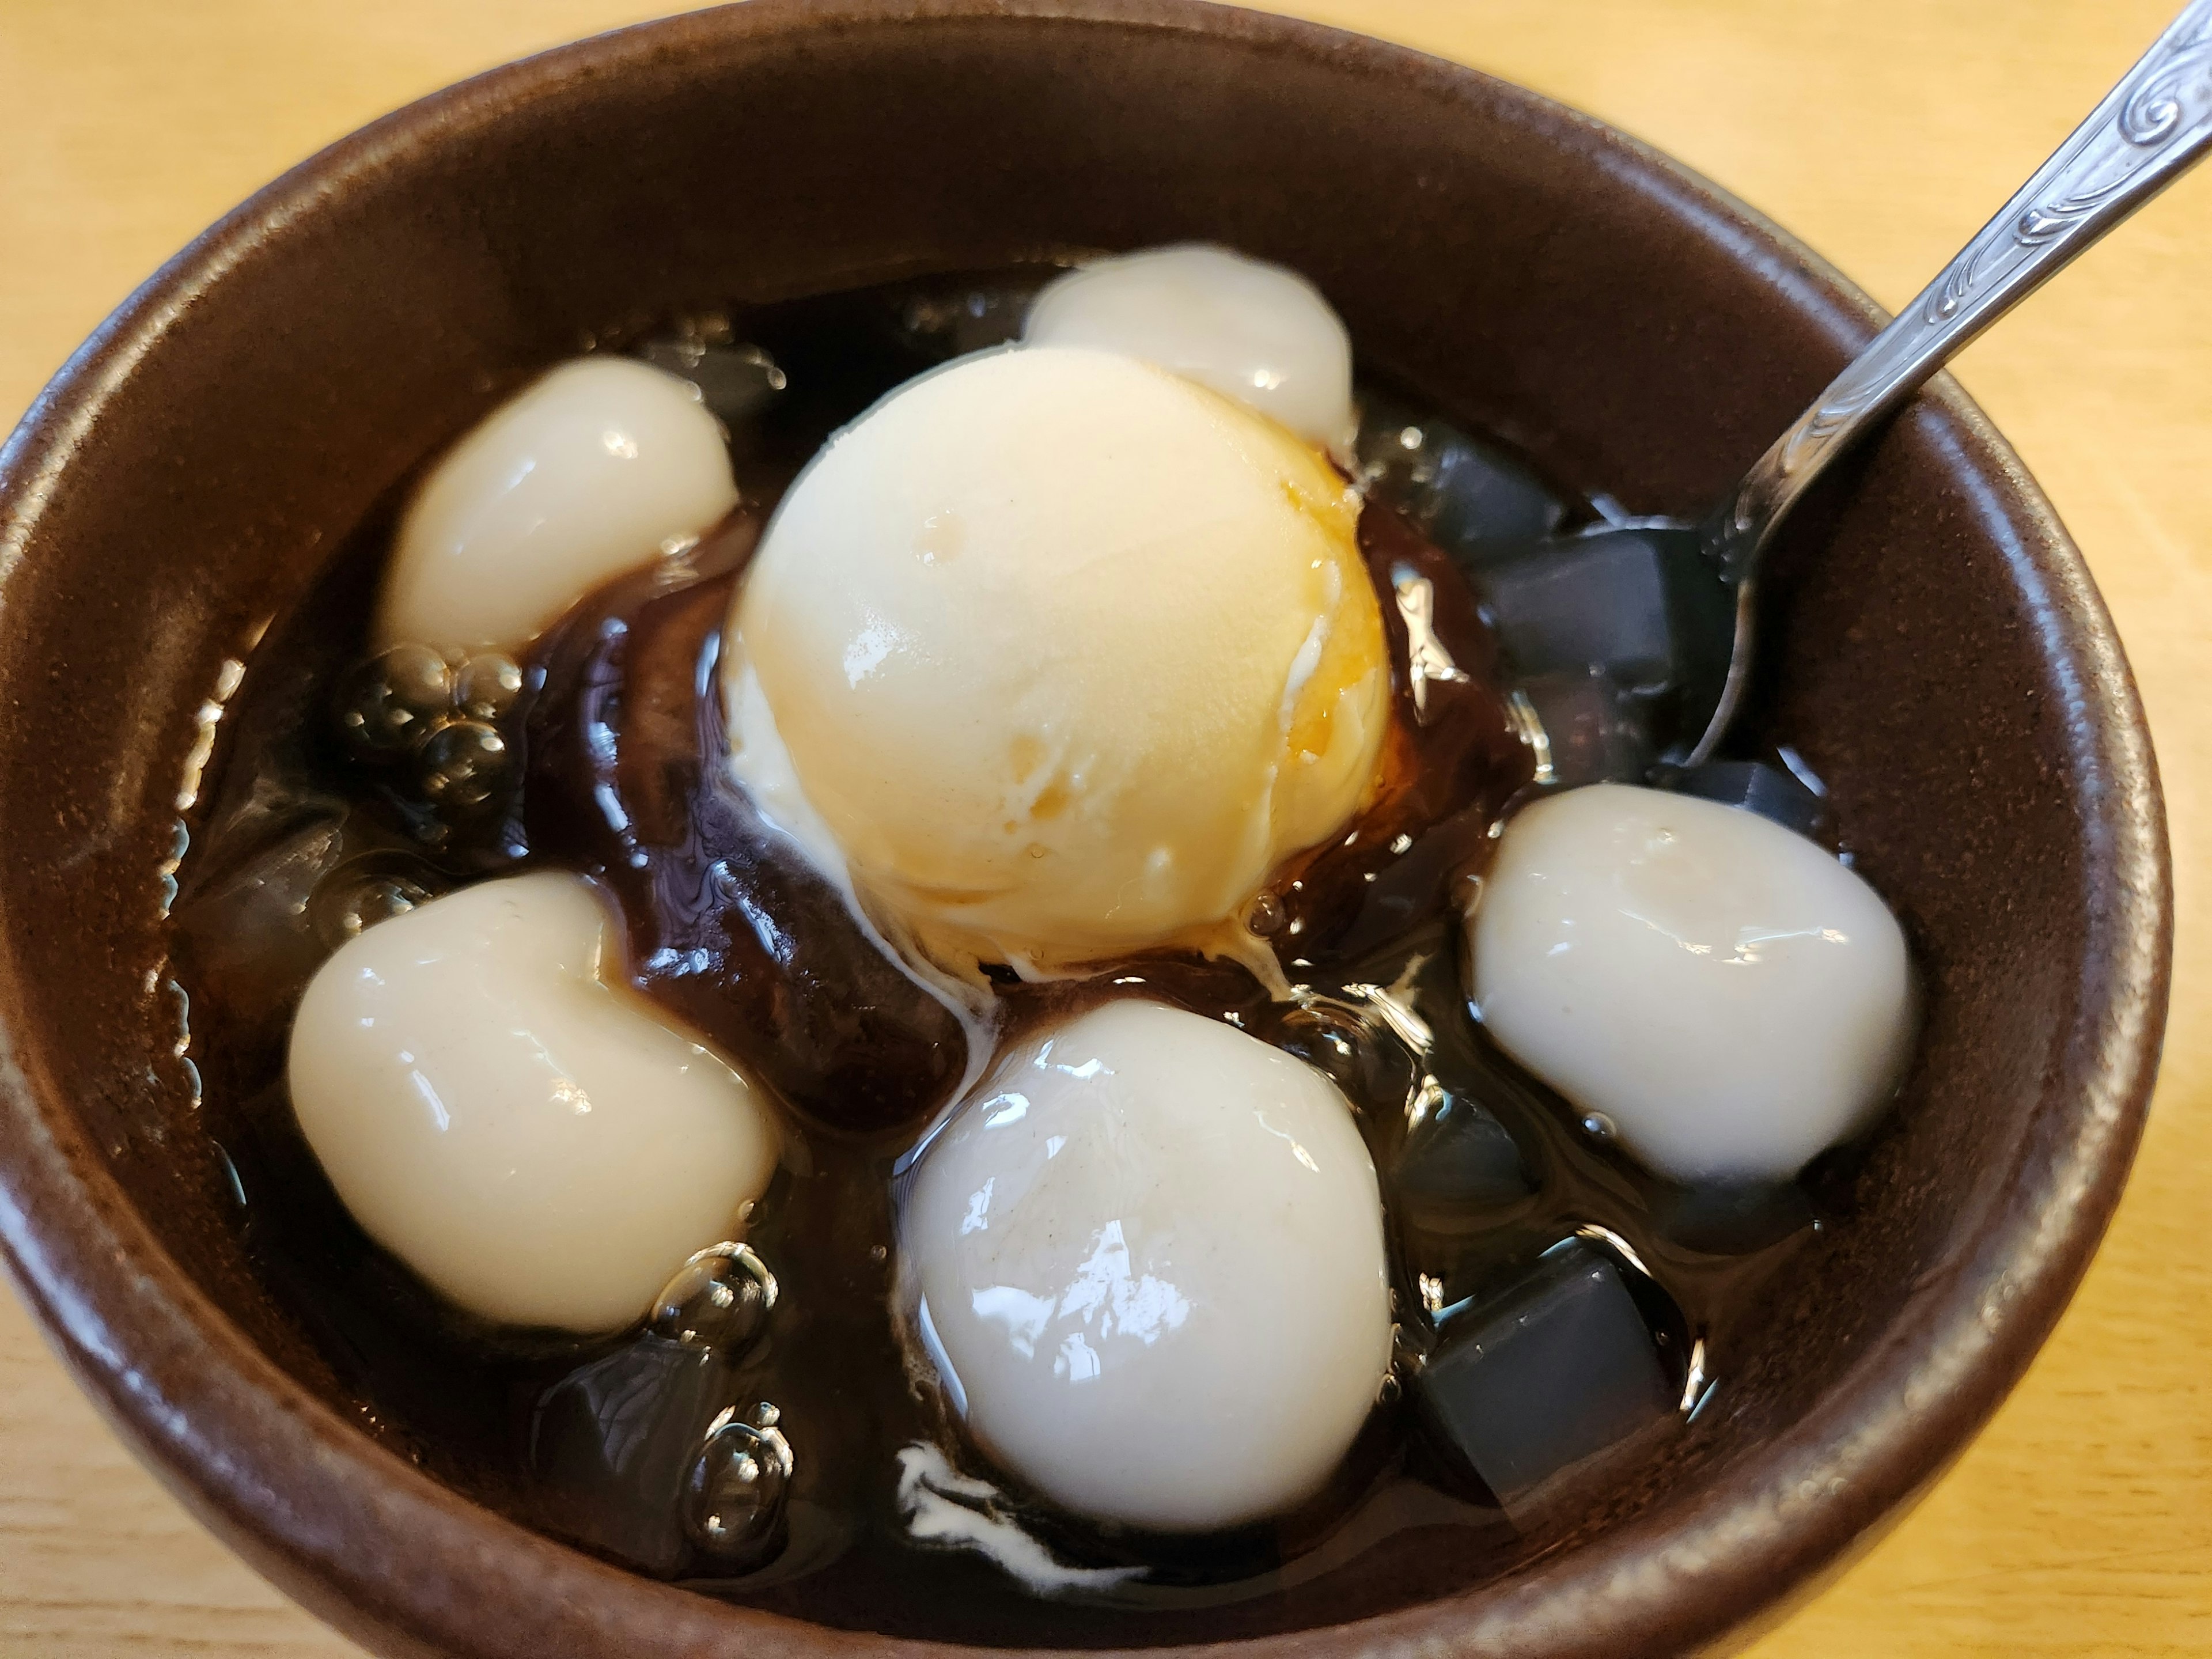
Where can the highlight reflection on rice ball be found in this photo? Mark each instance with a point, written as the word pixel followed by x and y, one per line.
pixel 1150 1259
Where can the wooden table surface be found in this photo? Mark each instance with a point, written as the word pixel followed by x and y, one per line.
pixel 1882 131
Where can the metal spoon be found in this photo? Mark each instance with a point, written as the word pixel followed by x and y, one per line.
pixel 2145 133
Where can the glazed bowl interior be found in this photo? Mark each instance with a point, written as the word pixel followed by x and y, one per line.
pixel 1935 653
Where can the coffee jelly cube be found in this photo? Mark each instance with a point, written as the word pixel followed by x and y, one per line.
pixel 1481 504
pixel 1466 497
pixel 614 1443
pixel 1592 732
pixel 1757 787
pixel 252 925
pixel 256 929
pixel 1733 1220
pixel 1643 607
pixel 1458 1162
pixel 1550 1372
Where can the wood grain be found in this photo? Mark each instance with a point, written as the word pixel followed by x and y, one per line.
pixel 1882 131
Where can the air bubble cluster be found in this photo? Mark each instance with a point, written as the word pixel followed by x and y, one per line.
pixel 735 1485
pixel 435 719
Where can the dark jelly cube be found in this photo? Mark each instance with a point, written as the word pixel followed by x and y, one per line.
pixel 1553 1371
pixel 1733 1220
pixel 255 932
pixel 1458 1166
pixel 1641 606
pixel 1482 504
pixel 253 926
pixel 1757 787
pixel 1466 497
pixel 1592 733
pixel 614 1443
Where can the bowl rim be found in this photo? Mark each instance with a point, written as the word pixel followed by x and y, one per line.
pixel 378 1548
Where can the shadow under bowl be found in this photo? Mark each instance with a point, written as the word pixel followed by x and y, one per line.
pixel 1945 664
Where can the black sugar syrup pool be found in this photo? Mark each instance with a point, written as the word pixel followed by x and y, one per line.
pixel 753 1450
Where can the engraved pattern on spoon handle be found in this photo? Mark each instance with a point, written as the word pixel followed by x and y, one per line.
pixel 2144 134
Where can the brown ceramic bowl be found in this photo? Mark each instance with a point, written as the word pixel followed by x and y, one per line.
pixel 1943 661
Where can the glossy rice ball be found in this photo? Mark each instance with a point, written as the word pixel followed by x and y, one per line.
pixel 1252 331
pixel 591 470
pixel 1723 990
pixel 1149 1258
pixel 529 1139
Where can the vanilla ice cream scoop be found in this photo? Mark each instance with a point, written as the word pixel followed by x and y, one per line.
pixel 530 1140
pixel 1065 652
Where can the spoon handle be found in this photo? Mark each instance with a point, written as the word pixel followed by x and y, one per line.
pixel 2143 136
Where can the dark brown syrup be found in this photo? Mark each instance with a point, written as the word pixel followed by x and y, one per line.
pixel 618 740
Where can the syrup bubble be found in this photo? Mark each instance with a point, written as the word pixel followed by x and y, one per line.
pixel 719 1299
pixel 733 1494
